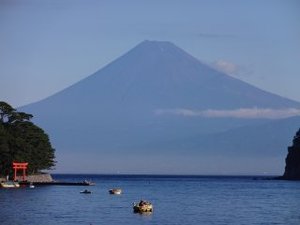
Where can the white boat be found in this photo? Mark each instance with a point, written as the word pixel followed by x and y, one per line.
pixel 115 191
pixel 10 184
pixel 31 185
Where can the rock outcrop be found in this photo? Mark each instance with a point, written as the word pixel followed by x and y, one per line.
pixel 292 167
pixel 40 178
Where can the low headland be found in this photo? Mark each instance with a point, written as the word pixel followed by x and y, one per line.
pixel 292 167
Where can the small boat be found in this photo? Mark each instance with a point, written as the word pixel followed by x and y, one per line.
pixel 31 185
pixel 115 191
pixel 86 192
pixel 10 184
pixel 142 207
pixel 88 183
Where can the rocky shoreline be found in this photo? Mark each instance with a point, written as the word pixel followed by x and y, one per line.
pixel 36 178
pixel 292 167
pixel 41 178
pixel 46 179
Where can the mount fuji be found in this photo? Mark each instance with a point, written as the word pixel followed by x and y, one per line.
pixel 157 109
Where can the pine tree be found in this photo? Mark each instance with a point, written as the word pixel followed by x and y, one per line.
pixel 23 141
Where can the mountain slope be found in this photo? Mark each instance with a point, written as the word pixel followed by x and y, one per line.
pixel 114 111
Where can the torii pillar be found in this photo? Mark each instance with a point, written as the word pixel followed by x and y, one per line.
pixel 17 166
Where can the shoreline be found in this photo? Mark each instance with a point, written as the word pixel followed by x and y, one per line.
pixel 63 183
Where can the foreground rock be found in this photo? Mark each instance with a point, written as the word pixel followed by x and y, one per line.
pixel 292 167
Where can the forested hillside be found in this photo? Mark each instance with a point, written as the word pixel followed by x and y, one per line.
pixel 22 141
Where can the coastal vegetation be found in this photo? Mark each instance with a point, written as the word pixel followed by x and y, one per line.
pixel 23 141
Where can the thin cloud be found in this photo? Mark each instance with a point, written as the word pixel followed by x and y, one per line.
pixel 231 68
pixel 246 113
pixel 226 67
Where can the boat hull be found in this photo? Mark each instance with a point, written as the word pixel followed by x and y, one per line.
pixel 142 209
pixel 86 192
pixel 10 184
pixel 115 191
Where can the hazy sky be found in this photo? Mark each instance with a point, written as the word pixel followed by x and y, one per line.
pixel 47 45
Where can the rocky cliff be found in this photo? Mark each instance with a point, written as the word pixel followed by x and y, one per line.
pixel 292 167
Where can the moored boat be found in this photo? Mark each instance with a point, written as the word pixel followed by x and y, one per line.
pixel 142 207
pixel 88 183
pixel 10 184
pixel 115 191
pixel 86 192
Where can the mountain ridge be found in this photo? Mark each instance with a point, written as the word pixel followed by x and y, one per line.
pixel 137 51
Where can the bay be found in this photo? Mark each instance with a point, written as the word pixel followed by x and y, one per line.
pixel 184 200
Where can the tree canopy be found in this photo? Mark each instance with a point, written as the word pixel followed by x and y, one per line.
pixel 22 141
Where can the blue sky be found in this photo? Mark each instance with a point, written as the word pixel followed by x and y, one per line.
pixel 47 45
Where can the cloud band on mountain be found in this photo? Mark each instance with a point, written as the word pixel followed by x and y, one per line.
pixel 247 113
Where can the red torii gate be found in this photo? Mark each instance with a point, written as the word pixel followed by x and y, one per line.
pixel 20 166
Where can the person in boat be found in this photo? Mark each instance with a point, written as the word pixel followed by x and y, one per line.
pixel 141 203
pixel 85 191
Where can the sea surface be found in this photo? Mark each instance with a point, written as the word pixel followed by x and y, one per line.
pixel 182 200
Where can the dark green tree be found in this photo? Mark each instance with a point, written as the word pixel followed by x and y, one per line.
pixel 23 141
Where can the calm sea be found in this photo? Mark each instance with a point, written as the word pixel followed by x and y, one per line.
pixel 178 200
